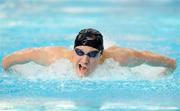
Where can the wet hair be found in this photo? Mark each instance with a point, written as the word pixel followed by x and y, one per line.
pixel 90 37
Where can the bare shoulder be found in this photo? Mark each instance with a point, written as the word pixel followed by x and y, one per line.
pixel 49 53
pixel 115 50
pixel 120 54
pixel 54 48
pixel 59 51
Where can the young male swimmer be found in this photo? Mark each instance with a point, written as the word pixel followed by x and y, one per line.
pixel 88 52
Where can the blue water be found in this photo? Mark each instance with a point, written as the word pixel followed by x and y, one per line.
pixel 142 25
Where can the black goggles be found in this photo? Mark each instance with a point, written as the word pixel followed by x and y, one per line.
pixel 93 54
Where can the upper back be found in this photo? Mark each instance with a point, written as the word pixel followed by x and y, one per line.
pixel 57 52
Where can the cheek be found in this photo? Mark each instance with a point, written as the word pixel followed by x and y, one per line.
pixel 76 60
pixel 93 63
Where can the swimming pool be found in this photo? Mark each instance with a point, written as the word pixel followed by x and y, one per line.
pixel 149 25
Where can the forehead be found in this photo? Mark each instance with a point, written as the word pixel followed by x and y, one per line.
pixel 86 48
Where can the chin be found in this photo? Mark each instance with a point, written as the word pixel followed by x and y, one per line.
pixel 83 74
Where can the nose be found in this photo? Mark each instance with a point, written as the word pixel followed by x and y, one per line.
pixel 85 59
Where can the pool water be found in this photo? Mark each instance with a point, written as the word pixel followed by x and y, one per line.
pixel 142 25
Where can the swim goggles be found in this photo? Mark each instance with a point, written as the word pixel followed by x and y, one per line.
pixel 92 54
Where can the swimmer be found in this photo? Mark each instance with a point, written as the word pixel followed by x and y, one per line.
pixel 88 52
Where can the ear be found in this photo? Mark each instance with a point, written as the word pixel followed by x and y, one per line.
pixel 101 56
pixel 101 59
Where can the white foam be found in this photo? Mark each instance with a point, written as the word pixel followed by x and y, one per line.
pixel 63 70
pixel 111 70
pixel 14 104
pixel 135 106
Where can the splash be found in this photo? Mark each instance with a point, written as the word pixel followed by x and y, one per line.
pixel 63 70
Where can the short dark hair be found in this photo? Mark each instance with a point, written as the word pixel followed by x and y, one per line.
pixel 89 37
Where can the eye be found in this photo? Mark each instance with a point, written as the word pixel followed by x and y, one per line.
pixel 93 53
pixel 79 52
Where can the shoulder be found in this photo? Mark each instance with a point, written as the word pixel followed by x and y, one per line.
pixel 117 48
pixel 55 52
pixel 58 50
pixel 55 48
pixel 110 52
pixel 119 53
pixel 113 50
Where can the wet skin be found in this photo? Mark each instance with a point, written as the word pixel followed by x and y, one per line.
pixel 84 65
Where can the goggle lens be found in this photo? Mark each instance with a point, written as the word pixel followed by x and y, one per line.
pixel 90 54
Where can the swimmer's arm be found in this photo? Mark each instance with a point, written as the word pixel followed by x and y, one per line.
pixel 130 57
pixel 42 56
pixel 154 59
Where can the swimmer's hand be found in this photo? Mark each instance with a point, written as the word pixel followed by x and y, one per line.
pixel 6 62
pixel 158 60
pixel 19 57
pixel 170 69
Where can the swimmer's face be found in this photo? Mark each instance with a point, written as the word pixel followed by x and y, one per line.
pixel 85 59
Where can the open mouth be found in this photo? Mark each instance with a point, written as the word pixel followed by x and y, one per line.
pixel 82 68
